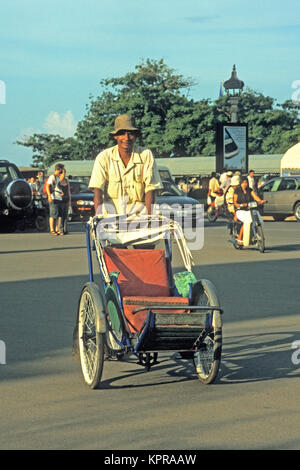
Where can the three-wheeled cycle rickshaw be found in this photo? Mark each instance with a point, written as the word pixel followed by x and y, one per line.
pixel 140 306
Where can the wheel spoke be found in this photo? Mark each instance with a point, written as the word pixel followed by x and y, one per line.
pixel 206 356
pixel 89 336
pixel 90 358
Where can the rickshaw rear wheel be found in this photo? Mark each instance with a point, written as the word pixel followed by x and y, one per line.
pixel 90 341
pixel 207 358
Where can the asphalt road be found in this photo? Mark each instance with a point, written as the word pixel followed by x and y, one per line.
pixel 254 404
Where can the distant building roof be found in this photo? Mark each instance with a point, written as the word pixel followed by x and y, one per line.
pixel 180 166
pixel 74 167
pixel 28 168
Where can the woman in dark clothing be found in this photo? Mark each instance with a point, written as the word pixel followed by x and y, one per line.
pixel 243 195
pixel 66 199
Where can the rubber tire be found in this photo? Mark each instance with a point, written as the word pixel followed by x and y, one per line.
pixel 297 211
pixel 237 246
pixel 207 295
pixel 42 223
pixel 261 242
pixel 89 338
pixel 211 214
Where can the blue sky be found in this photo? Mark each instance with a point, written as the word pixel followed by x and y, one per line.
pixel 54 53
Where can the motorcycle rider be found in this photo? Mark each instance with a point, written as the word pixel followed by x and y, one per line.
pixel 224 184
pixel 213 186
pixel 243 195
pixel 229 196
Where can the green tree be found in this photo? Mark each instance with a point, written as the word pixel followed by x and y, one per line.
pixel 268 123
pixel 171 123
pixel 148 93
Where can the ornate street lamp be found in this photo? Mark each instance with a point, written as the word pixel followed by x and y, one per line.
pixel 233 87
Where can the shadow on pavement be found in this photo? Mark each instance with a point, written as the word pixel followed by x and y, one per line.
pixel 284 248
pixel 259 357
pixel 38 317
pixel 38 250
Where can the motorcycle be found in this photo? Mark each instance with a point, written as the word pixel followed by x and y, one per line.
pixel 216 208
pixel 257 237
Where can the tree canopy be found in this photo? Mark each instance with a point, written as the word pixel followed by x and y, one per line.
pixel 171 123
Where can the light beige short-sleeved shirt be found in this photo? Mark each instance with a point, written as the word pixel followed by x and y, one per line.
pixel 213 186
pixel 229 199
pixel 124 188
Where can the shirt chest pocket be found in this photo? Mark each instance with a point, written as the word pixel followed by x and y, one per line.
pixel 114 186
pixel 138 184
pixel 138 174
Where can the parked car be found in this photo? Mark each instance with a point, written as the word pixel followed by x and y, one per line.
pixel 172 202
pixel 175 204
pixel 15 196
pixel 265 178
pixel 81 200
pixel 283 196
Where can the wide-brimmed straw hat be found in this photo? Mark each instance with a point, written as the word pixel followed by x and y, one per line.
pixel 235 180
pixel 124 122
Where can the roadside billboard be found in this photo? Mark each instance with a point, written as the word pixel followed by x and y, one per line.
pixel 232 147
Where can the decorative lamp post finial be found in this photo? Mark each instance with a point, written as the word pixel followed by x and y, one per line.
pixel 233 87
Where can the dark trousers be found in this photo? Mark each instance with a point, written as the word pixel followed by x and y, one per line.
pixel 63 221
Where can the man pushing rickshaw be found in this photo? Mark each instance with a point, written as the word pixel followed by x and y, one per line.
pixel 140 306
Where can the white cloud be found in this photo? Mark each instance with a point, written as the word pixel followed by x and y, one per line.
pixel 26 132
pixel 62 124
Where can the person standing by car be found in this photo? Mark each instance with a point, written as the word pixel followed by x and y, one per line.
pixel 39 182
pixel 124 177
pixel 64 185
pixel 33 185
pixel 252 181
pixel 54 194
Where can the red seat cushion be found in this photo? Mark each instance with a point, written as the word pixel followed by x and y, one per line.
pixel 137 320
pixel 142 272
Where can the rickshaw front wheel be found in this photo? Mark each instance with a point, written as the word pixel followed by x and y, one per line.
pixel 91 342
